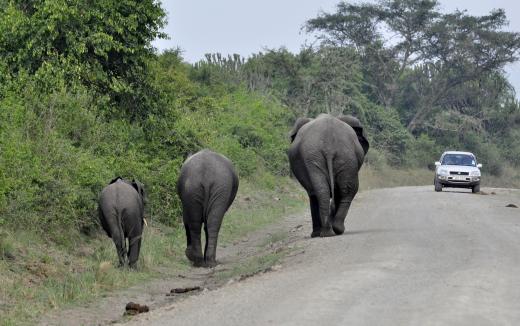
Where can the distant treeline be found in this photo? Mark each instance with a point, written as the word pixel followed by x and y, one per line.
pixel 422 81
pixel 84 97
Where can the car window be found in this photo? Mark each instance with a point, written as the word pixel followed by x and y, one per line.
pixel 459 159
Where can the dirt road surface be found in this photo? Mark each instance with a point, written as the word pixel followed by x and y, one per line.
pixel 410 257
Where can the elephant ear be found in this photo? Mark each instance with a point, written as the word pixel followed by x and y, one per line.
pixel 358 128
pixel 115 180
pixel 300 122
pixel 139 187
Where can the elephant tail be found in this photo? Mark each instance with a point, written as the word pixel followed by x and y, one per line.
pixel 332 202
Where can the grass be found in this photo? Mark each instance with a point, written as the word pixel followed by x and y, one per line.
pixel 510 178
pixel 36 276
pixel 273 238
pixel 41 279
pixel 388 177
pixel 260 208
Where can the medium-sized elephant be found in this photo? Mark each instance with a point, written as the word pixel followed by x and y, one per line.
pixel 207 186
pixel 121 213
pixel 325 155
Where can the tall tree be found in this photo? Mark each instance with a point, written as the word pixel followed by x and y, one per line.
pixel 103 44
pixel 394 37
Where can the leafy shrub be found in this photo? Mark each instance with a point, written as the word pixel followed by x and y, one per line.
pixel 375 159
pixel 60 148
pixel 386 133
pixel 423 152
pixel 491 159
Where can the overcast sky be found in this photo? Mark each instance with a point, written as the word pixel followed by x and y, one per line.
pixel 249 26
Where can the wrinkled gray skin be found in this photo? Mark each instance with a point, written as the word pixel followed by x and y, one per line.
pixel 325 156
pixel 207 186
pixel 121 213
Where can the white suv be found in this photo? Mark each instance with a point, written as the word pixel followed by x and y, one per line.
pixel 457 170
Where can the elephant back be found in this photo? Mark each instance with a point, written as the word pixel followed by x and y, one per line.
pixel 328 129
pixel 206 179
pixel 120 193
pixel 206 167
pixel 327 135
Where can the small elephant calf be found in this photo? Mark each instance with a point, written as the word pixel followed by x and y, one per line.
pixel 207 186
pixel 121 213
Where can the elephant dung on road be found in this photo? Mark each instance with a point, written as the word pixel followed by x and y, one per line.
pixel 325 155
pixel 121 213
pixel 207 186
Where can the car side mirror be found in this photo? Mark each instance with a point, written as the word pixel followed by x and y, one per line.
pixel 479 166
pixel 437 163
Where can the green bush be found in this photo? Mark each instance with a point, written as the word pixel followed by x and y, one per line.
pixel 511 147
pixel 375 159
pixel 387 133
pixel 423 152
pixel 60 146
pixel 489 155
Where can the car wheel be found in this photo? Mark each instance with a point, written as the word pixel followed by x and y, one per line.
pixel 475 189
pixel 438 186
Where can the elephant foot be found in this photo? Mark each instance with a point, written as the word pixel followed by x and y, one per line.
pixel 197 260
pixel 315 234
pixel 122 263
pixel 327 233
pixel 199 263
pixel 210 263
pixel 339 228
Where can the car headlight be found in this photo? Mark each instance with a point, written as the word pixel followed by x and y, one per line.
pixel 443 172
pixel 475 173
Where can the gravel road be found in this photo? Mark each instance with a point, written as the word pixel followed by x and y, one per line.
pixel 410 257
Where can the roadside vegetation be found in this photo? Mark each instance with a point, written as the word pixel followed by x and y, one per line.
pixel 84 98
pixel 37 276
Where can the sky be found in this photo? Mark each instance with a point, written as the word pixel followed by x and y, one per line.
pixel 249 26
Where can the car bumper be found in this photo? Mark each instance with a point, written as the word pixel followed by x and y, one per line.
pixel 447 181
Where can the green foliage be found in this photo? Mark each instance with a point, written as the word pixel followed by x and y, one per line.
pixel 59 150
pixel 489 155
pixel 423 152
pixel 511 147
pixel 249 130
pixel 441 72
pixel 104 45
pixel 386 133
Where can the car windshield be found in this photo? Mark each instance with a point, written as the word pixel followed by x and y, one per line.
pixel 459 159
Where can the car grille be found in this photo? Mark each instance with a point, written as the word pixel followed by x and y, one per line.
pixel 466 180
pixel 458 173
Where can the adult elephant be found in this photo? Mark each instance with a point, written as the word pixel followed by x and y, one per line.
pixel 325 155
pixel 121 213
pixel 207 186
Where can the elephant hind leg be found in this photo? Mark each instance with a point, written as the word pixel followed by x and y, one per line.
pixel 212 228
pixel 321 191
pixel 192 217
pixel 344 197
pixel 315 214
pixel 188 235
pixel 324 211
pixel 118 237
pixel 104 224
pixel 194 251
pixel 133 251
pixel 338 224
pixel 120 243
pixel 206 253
